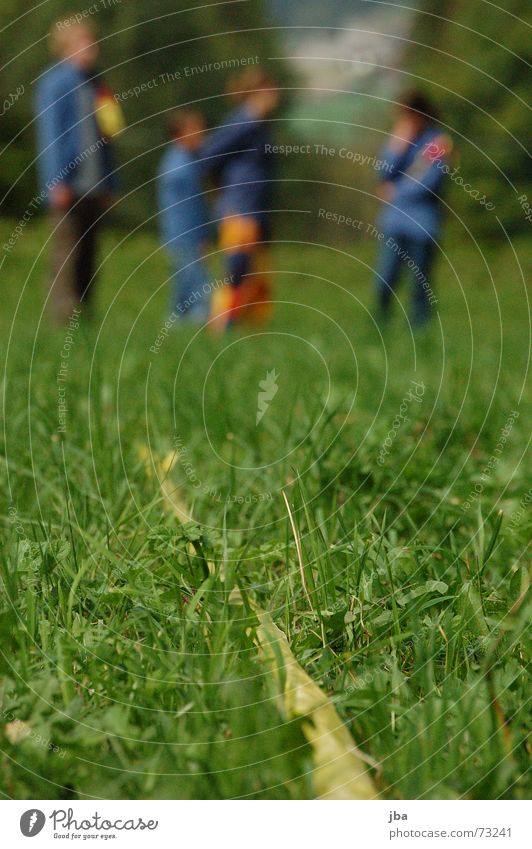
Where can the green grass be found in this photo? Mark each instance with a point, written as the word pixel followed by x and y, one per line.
pixel 121 649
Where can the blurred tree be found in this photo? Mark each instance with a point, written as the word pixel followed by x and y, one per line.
pixel 469 56
pixel 139 43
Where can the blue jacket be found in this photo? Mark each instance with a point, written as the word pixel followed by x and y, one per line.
pixel 64 127
pixel 183 214
pixel 236 154
pixel 415 209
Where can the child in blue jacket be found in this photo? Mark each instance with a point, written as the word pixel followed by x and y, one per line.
pixel 183 216
pixel 411 216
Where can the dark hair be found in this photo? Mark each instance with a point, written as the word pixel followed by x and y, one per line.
pixel 416 101
pixel 178 118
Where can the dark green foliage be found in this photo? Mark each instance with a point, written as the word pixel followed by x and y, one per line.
pixel 139 42
pixel 472 57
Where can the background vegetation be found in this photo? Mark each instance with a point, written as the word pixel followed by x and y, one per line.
pixel 472 63
pixel 479 75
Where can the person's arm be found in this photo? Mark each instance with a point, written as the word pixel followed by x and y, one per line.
pixel 52 106
pixel 425 175
pixel 396 152
pixel 425 185
pixel 228 138
pixel 166 197
pixel 393 161
pixel 173 190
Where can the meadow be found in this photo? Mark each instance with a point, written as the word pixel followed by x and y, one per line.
pixel 379 511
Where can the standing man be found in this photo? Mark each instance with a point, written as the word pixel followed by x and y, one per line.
pixel 411 215
pixel 77 116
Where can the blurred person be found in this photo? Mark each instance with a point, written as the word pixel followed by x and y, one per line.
pixel 411 216
pixel 236 155
pixel 77 116
pixel 183 215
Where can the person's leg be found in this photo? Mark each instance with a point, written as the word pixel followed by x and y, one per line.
pixel 421 252
pixel 238 264
pixel 190 284
pixel 89 210
pixel 240 237
pixel 200 309
pixel 63 294
pixel 175 284
pixel 260 296
pixel 387 276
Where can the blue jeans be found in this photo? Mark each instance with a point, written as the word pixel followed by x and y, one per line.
pixel 191 288
pixel 415 255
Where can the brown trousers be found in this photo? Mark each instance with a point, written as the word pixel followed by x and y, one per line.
pixel 74 256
